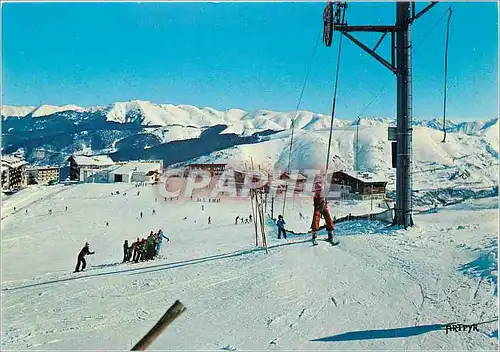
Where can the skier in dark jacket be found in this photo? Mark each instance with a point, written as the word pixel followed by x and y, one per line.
pixel 81 257
pixel 150 246
pixel 281 227
pixel 142 250
pixel 126 251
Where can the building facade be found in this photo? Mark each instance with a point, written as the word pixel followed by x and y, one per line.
pixel 359 185
pixel 213 169
pixel 82 167
pixel 137 171
pixel 43 174
pixel 14 175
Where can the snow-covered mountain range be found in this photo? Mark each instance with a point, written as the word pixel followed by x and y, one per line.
pixel 150 114
pixel 184 133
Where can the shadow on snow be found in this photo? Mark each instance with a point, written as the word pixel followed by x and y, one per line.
pixel 382 334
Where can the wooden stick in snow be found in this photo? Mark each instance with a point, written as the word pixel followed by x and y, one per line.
pixel 172 313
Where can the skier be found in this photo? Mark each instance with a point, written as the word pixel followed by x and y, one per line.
pixel 301 216
pixel 281 227
pixel 81 257
pixel 66 209
pixel 135 246
pixel 141 214
pixel 321 209
pixel 209 220
pixel 50 211
pixel 107 223
pixel 202 208
pixel 155 246
pixel 241 219
pixel 26 211
pixel 250 217
pixel 150 246
pixel 161 236
pixel 126 250
pixel 142 250
pixel 154 212
pixel 236 221
pixel 14 209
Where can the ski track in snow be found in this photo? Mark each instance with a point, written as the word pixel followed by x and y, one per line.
pixel 376 282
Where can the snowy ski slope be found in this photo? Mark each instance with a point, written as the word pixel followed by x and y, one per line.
pixel 380 289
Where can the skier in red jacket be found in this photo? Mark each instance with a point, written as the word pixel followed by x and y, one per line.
pixel 321 209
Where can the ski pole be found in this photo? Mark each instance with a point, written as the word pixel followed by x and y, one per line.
pixel 171 314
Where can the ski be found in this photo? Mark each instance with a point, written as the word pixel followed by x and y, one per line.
pixel 333 243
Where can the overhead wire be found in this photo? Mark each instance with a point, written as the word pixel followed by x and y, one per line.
pixel 446 75
pixel 296 113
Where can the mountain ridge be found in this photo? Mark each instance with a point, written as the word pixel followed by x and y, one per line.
pixel 148 113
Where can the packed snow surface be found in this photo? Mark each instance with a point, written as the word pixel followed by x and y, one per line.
pixel 381 288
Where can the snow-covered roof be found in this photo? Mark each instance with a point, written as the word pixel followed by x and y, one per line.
pixel 44 167
pixel 207 165
pixel 138 167
pixel 366 177
pixel 12 161
pixel 96 160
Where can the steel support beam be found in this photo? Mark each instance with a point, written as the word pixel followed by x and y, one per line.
pixel 345 28
pixel 371 52
pixel 427 8
pixel 379 41
pixel 403 213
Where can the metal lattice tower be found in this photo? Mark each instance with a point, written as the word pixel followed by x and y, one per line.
pixel 401 65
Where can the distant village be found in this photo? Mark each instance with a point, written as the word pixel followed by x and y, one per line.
pixel 18 174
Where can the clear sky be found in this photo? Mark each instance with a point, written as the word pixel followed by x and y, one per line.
pixel 240 55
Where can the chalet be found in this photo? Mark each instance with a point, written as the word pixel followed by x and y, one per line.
pixel 359 185
pixel 13 173
pixel 82 167
pixel 136 171
pixel 43 174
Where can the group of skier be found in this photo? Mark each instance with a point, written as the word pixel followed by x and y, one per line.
pixel 243 220
pixel 210 200
pixel 144 249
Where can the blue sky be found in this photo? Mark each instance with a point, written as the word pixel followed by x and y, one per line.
pixel 240 55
